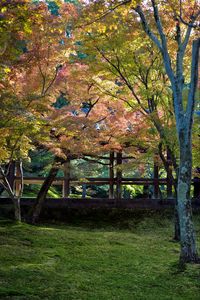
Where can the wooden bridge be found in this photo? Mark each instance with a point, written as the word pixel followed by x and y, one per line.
pixel 115 183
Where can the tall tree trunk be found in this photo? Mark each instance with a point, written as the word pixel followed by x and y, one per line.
pixel 44 190
pixel 10 187
pixel 17 208
pixel 19 187
pixel 187 234
pixel 168 163
pixel 184 121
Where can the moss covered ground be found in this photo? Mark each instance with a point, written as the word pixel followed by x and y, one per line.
pixel 87 259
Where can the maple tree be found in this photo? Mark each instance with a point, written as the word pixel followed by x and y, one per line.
pixel 33 85
pixel 171 42
pixel 85 125
pixel 183 114
pixel 27 79
pixel 38 68
pixel 16 19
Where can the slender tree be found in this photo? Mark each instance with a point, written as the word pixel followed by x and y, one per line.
pixel 155 17
pixel 183 115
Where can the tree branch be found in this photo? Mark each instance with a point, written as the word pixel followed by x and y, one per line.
pixel 108 11
pixel 165 53
pixel 95 161
pixel 6 183
pixel 147 29
pixel 128 84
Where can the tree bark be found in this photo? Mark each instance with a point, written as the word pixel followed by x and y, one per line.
pixel 173 182
pixel 17 208
pixel 44 190
pixel 187 234
pixel 184 121
pixel 8 184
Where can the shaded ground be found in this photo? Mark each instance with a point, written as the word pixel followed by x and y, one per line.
pixel 129 258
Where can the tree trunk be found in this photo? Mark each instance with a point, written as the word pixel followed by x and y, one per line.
pixel 43 192
pixel 187 234
pixel 10 187
pixel 168 164
pixel 173 182
pixel 17 208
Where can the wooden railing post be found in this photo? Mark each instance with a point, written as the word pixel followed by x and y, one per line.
pixel 119 176
pixel 169 176
pixel 111 175
pixel 66 181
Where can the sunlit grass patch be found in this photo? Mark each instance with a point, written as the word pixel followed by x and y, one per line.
pixel 94 262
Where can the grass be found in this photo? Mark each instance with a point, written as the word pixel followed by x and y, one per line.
pixel 87 260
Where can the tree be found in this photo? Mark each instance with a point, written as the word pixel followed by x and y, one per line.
pixel 155 18
pixel 83 127
pixel 183 116
pixel 27 76
pixel 16 22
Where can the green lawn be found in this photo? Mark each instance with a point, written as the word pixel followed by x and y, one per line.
pixel 135 259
